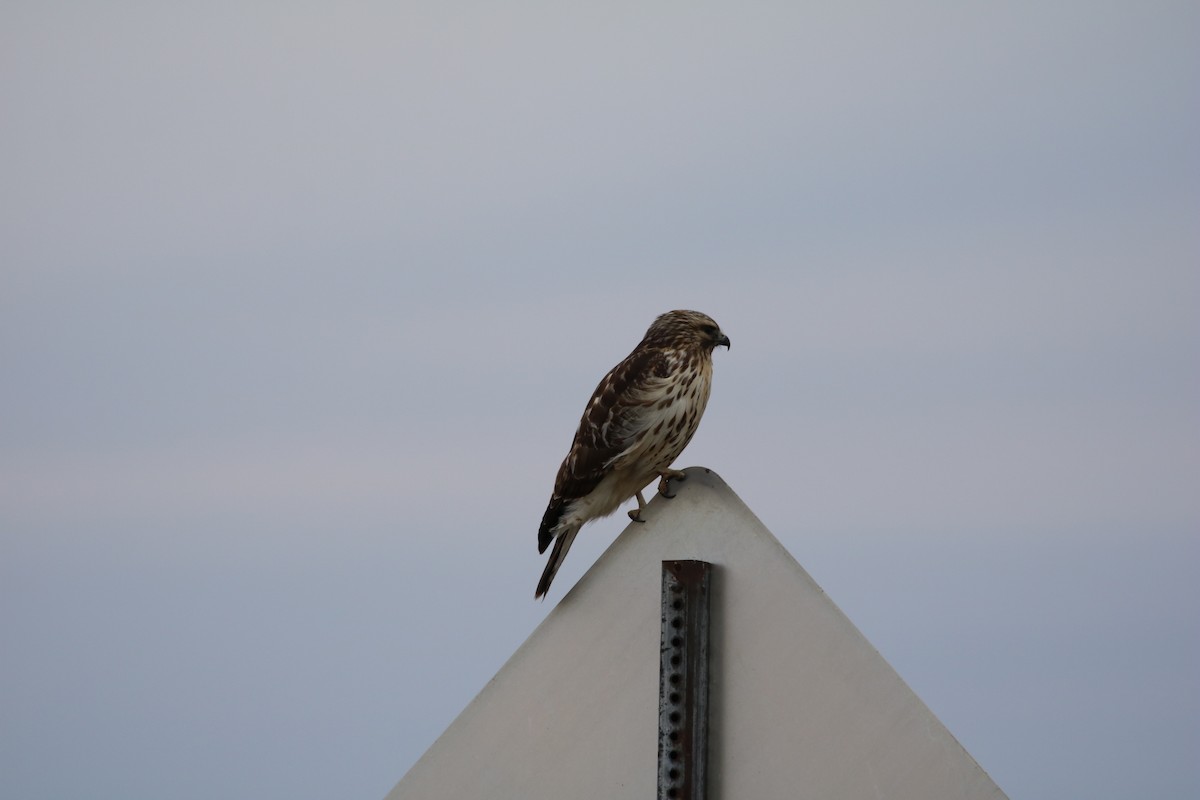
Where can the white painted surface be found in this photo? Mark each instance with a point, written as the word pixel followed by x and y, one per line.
pixel 802 705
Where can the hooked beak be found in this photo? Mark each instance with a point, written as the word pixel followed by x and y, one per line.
pixel 723 340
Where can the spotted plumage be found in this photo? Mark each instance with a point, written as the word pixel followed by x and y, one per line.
pixel 641 416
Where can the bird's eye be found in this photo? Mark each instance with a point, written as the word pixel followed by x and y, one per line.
pixel 709 329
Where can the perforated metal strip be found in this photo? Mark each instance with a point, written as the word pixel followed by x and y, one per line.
pixel 683 681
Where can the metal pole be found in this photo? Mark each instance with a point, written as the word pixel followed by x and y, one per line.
pixel 683 682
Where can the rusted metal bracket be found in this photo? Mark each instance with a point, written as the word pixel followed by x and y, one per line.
pixel 683 682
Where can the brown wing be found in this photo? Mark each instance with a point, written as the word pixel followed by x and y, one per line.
pixel 608 424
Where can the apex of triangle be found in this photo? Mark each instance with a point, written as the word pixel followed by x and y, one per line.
pixel 800 702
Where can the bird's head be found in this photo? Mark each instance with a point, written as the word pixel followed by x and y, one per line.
pixel 688 329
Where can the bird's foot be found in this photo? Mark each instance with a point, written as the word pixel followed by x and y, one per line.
pixel 636 514
pixel 664 481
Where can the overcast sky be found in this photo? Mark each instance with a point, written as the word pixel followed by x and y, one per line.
pixel 300 304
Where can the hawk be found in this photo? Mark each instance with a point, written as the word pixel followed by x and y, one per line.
pixel 638 421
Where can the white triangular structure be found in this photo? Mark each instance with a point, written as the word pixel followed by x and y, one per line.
pixel 801 705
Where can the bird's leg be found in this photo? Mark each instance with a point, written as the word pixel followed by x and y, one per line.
pixel 636 514
pixel 664 481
